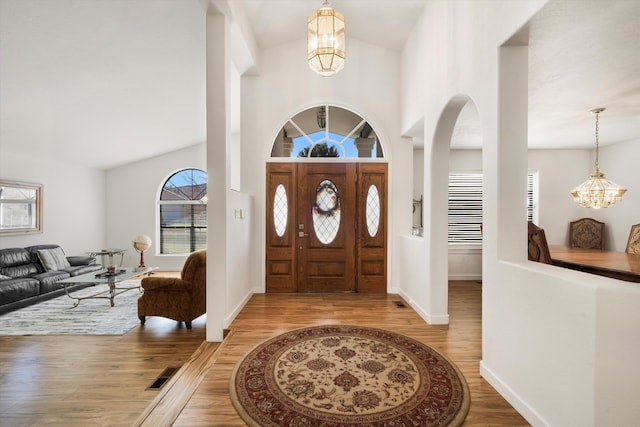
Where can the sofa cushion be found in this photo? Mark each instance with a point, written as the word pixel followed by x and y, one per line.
pixel 18 289
pixel 24 270
pixel 53 259
pixel 49 280
pixel 3 277
pixel 11 257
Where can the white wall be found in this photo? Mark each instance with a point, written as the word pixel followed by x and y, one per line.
pixel 131 203
pixel 559 171
pixel 555 341
pixel 619 163
pixel 562 170
pixel 73 202
pixel 132 208
pixel 241 282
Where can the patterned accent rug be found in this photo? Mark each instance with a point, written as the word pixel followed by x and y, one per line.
pixel 91 316
pixel 342 375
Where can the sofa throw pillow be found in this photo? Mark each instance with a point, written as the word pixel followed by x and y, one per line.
pixel 53 259
pixel 3 277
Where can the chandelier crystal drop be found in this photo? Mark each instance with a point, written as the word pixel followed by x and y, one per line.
pixel 597 191
pixel 326 40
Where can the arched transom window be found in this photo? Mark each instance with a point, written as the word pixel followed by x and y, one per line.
pixel 327 131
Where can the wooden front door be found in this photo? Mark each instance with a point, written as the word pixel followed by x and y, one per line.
pixel 326 227
pixel 319 229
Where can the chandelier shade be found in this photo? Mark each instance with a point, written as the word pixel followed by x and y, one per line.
pixel 597 191
pixel 326 40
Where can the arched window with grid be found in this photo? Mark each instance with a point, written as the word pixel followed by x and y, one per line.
pixel 183 212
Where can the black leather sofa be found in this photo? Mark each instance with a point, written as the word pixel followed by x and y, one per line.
pixel 25 279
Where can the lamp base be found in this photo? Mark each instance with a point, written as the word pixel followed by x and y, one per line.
pixel 141 266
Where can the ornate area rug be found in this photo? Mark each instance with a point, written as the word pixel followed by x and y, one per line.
pixel 342 375
pixel 91 316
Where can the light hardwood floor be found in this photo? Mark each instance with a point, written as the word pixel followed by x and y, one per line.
pixel 267 315
pixel 101 381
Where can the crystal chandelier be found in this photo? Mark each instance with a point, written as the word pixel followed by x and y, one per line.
pixel 597 192
pixel 325 40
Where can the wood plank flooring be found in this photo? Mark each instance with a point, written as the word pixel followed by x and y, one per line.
pixel 102 380
pixel 267 315
pixel 89 380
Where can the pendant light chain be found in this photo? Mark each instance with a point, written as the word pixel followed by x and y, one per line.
pixel 597 113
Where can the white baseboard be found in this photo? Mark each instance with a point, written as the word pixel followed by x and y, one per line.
pixel 520 405
pixel 429 318
pixel 239 307
pixel 471 277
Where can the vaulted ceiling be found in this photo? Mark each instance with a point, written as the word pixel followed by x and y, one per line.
pixel 109 82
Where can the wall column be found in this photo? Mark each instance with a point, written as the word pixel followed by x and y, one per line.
pixel 218 137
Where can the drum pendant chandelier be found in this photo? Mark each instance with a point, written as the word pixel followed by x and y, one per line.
pixel 326 40
pixel 597 191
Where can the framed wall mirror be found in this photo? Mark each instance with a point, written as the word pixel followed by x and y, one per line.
pixel 20 207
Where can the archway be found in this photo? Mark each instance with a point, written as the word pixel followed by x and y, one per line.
pixel 459 125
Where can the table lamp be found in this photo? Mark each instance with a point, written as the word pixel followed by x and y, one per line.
pixel 141 243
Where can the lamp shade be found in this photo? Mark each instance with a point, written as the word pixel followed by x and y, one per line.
pixel 326 41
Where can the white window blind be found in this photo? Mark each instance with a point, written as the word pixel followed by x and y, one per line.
pixel 532 196
pixel 465 206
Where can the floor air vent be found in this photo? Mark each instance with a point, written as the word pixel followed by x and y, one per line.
pixel 163 378
pixel 400 304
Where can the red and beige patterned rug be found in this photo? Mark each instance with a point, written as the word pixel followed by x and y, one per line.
pixel 342 375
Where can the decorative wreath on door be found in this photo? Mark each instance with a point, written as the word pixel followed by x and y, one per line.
pixel 327 201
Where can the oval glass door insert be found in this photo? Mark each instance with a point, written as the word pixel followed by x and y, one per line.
pixel 326 212
pixel 373 210
pixel 280 210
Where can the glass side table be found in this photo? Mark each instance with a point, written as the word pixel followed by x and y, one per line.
pixel 107 257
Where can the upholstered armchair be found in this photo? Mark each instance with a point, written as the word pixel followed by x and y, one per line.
pixel 537 247
pixel 182 299
pixel 586 233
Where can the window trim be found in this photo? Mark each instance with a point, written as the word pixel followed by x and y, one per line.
pixel 182 202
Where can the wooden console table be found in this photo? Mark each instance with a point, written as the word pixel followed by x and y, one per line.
pixel 617 265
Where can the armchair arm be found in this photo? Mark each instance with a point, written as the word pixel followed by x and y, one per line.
pixel 165 283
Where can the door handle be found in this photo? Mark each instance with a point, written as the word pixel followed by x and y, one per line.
pixel 302 234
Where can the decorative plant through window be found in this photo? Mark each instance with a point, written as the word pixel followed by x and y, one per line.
pixel 183 212
pixel 326 212
pixel 319 150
